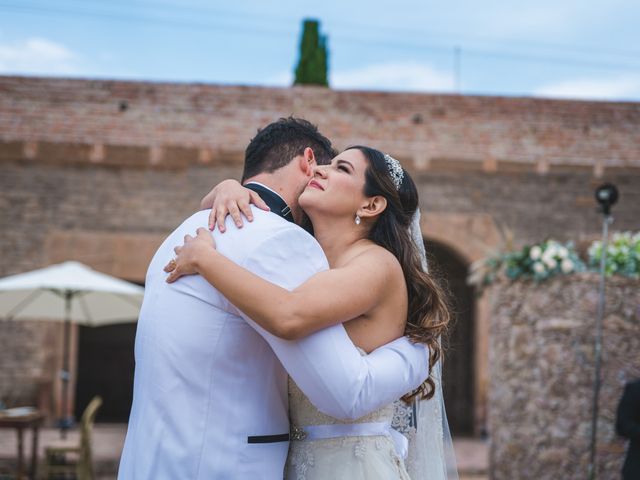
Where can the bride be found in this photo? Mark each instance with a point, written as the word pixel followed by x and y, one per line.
pixel 361 209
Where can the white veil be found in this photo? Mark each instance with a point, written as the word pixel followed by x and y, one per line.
pixel 424 422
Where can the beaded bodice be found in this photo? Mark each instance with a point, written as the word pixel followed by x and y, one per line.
pixel 344 457
pixel 302 412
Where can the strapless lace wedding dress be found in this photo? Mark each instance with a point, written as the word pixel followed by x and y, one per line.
pixel 324 448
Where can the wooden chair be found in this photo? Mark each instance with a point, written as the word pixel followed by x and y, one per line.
pixel 74 461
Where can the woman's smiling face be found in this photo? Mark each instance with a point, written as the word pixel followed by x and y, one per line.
pixel 338 188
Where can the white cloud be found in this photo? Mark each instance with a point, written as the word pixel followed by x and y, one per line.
pixel 404 76
pixel 393 76
pixel 37 56
pixel 592 88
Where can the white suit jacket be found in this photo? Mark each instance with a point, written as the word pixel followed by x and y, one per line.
pixel 207 378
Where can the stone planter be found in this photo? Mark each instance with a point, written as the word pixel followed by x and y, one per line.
pixel 541 364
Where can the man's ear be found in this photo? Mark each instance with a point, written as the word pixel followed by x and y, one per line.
pixel 308 161
pixel 373 207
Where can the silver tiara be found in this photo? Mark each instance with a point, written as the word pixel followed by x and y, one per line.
pixel 395 170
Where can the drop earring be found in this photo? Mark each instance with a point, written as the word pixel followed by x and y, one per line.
pixel 357 219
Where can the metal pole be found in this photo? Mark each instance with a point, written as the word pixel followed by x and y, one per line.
pixel 593 471
pixel 64 373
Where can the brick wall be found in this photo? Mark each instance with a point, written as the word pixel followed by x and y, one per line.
pixel 110 156
pixel 101 171
pixel 208 121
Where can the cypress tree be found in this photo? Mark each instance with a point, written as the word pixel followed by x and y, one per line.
pixel 313 65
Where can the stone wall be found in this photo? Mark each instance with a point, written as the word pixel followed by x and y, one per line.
pixel 541 364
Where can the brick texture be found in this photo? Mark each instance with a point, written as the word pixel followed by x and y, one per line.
pixel 101 171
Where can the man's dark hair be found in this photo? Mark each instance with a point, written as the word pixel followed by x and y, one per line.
pixel 275 145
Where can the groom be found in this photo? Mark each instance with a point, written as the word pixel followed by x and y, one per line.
pixel 210 389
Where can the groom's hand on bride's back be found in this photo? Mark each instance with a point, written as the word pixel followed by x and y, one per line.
pixel 229 197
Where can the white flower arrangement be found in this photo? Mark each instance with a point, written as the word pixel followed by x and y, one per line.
pixel 623 255
pixel 543 260
pixel 549 258
pixel 537 262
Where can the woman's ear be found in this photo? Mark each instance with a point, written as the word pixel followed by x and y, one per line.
pixel 373 207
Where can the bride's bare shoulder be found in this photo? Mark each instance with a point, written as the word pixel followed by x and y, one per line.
pixel 376 255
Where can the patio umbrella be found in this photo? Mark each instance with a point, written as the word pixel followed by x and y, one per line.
pixel 69 292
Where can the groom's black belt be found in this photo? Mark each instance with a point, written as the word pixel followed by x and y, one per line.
pixel 284 437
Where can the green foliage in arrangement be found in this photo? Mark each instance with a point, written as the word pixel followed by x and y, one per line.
pixel 623 255
pixel 543 261
pixel 550 258
pixel 536 262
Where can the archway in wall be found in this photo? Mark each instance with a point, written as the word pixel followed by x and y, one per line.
pixel 458 374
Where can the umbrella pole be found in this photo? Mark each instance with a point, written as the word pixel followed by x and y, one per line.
pixel 65 421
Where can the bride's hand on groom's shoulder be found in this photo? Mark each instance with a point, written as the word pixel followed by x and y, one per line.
pixel 229 197
pixel 188 256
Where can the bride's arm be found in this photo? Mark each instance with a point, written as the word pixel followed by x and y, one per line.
pixel 327 298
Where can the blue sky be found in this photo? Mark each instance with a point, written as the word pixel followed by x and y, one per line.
pixel 563 48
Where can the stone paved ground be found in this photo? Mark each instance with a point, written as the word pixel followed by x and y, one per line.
pixel 472 454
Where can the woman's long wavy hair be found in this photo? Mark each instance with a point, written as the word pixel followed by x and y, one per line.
pixel 428 313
